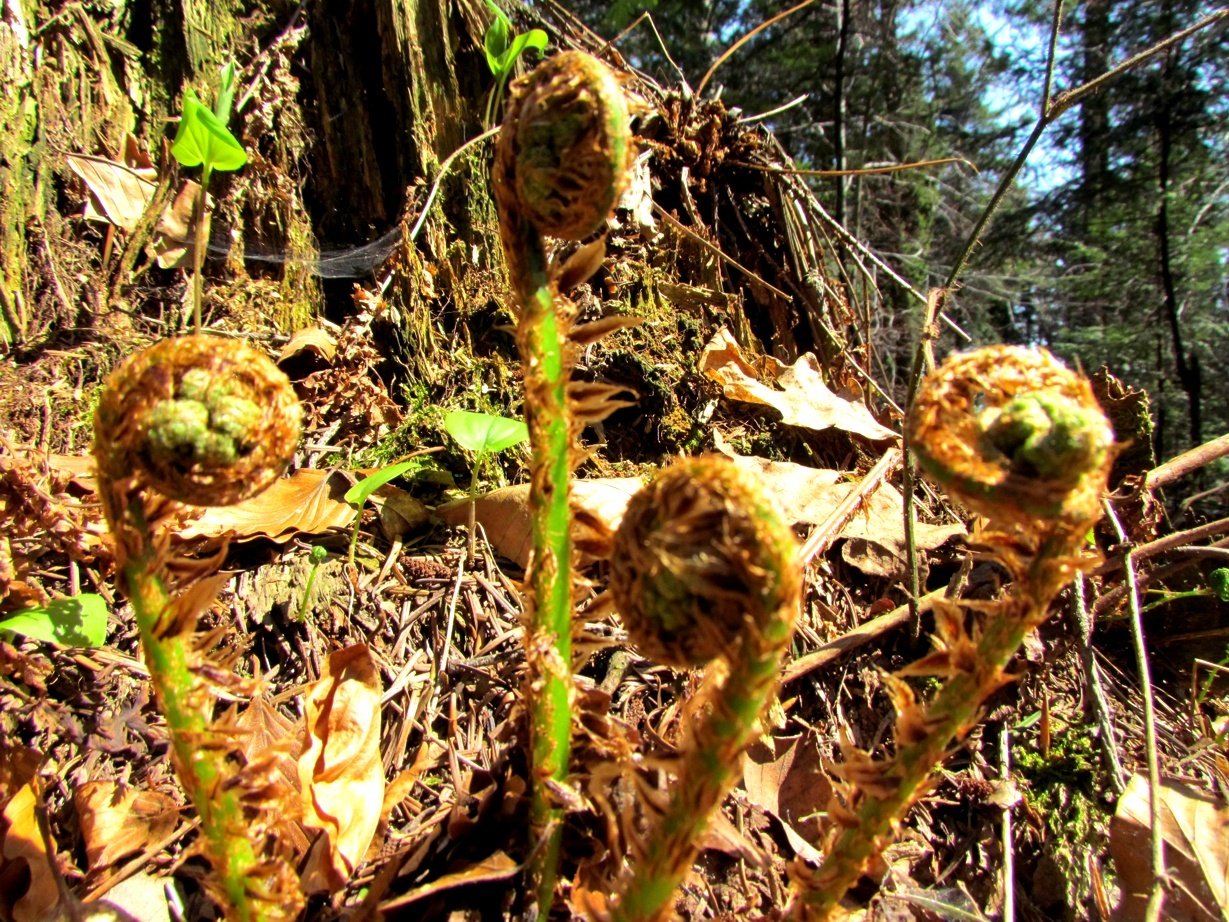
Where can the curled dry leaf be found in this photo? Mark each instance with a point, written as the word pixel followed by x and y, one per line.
pixel 340 771
pixel 308 502
pixel 118 821
pixel 1195 828
pixel 316 340
pixel 785 778
pixel 504 513
pixel 28 891
pixel 797 391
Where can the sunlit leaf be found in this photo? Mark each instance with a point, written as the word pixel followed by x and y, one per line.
pixel 495 42
pixel 28 891
pixel 340 772
pixel 202 140
pixel 358 494
pixel 77 622
pixel 534 38
pixel 482 432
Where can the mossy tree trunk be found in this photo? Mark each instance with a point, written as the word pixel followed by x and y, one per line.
pixel 343 107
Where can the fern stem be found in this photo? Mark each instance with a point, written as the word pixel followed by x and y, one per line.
pixel 704 569
pixel 560 164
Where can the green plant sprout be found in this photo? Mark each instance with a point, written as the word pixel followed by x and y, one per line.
pixel 361 491
pixel 317 556
pixel 204 421
pixel 80 621
pixel 483 435
pixel 1216 587
pixel 561 163
pixel 203 140
pixel 503 49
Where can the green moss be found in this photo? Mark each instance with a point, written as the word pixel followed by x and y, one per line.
pixel 1061 787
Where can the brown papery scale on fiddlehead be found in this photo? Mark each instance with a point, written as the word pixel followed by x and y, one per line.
pixel 704 568
pixel 562 159
pixel 201 419
pixel 1016 436
pixel 700 557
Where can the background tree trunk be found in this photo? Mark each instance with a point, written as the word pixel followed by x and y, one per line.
pixel 343 107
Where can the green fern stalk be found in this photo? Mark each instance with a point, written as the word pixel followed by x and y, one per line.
pixel 1021 440
pixel 560 166
pixel 704 568
pixel 205 421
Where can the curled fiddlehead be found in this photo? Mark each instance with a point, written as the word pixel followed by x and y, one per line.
pixel 204 421
pixel 703 569
pixel 1022 441
pixel 561 157
pixel 1016 436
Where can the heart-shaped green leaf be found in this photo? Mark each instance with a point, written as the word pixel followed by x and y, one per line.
pixel 202 140
pixel 534 38
pixel 482 432
pixel 77 622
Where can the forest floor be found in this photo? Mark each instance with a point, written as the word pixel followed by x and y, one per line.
pixel 1061 751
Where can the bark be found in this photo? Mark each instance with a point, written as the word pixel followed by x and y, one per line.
pixel 838 108
pixel 1187 366
pixel 1093 114
pixel 390 89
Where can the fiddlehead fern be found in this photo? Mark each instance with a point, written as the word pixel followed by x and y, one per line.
pixel 560 164
pixel 204 421
pixel 704 568
pixel 1021 440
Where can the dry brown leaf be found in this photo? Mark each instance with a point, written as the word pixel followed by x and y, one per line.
pixel 340 771
pixel 1195 828
pixel 311 339
pixel 720 835
pixel 497 867
pixel 874 538
pixel 175 241
pixel 309 501
pixel 797 391
pixel 504 517
pixel 25 865
pixel 266 734
pixel 119 194
pixel 118 821
pixel 787 781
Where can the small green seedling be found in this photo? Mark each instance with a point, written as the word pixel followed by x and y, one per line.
pixel 1217 587
pixel 503 49
pixel 358 494
pixel 77 622
pixel 317 557
pixel 483 435
pixel 203 140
